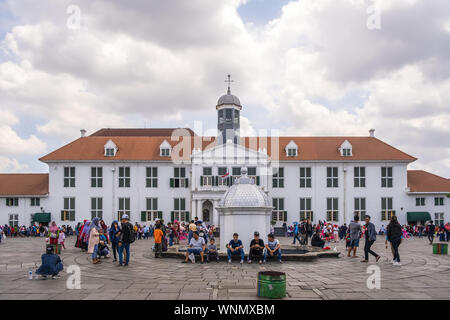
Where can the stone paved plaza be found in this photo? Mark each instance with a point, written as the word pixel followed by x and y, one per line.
pixel 421 276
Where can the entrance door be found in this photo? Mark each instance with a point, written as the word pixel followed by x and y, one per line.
pixel 207 208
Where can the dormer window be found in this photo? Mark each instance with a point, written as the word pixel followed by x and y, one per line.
pixel 165 152
pixel 292 152
pixel 165 149
pixel 110 149
pixel 291 149
pixel 346 149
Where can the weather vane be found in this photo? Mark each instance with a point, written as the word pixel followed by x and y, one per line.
pixel 229 82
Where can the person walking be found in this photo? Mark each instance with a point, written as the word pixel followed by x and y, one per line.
pixel 431 231
pixel 354 230
pixel 371 237
pixel 126 237
pixel 394 236
pixel 296 233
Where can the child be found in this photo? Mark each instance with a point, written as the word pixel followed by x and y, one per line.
pixel 51 264
pixel 212 250
pixel 158 236
pixel 103 249
pixel 61 238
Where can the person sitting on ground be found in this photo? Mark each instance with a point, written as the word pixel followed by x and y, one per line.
pixel 256 248
pixel 103 249
pixel 51 264
pixel 212 251
pixel 196 246
pixel 272 247
pixel 235 247
pixel 158 236
pixel 316 240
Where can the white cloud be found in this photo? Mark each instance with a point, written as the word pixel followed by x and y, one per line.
pixel 11 143
pixel 315 70
pixel 8 165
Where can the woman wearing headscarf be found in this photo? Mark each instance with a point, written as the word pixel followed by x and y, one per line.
pixel 114 237
pixel 78 231
pixel 85 235
pixel 94 239
pixel 53 233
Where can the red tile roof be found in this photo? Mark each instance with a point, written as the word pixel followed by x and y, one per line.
pixel 147 148
pixel 422 181
pixel 142 132
pixel 327 148
pixel 23 184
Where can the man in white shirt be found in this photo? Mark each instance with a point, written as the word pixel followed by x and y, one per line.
pixel 272 248
pixel 197 245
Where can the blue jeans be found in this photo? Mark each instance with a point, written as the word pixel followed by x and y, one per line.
pixel 236 252
pixel 296 237
pixel 103 253
pixel 190 235
pixel 126 246
pixel 94 254
pixel 277 252
pixel 194 250
pixel 171 240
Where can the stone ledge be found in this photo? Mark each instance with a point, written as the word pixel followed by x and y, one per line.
pixel 312 254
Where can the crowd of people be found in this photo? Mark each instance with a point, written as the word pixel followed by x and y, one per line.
pixel 30 231
pixel 101 241
pixel 331 232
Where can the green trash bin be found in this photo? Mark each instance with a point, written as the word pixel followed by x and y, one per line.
pixel 56 248
pixel 271 284
pixel 440 248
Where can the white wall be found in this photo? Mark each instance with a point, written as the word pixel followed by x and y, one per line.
pixel 24 209
pixel 429 205
pixel 402 201
pixel 111 191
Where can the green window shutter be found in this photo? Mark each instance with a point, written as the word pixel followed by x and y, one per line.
pixel 257 180
pixel 172 216
pixel 285 216
pixel 62 215
pixel 216 181
pixel 201 180
pixel 187 217
pixel 171 182
pixel 186 185
pixel 72 216
pixel 143 216
pixel 160 216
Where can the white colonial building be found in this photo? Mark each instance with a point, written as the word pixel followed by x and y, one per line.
pixel 176 174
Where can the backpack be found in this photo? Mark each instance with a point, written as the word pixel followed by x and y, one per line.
pixel 132 233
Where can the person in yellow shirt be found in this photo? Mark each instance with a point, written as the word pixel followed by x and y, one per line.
pixel 158 236
pixel 192 229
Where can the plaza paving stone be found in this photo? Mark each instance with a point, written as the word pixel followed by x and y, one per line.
pixel 421 276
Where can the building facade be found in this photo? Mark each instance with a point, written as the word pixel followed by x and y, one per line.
pixel 174 174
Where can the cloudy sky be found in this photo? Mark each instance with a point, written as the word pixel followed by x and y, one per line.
pixel 307 67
